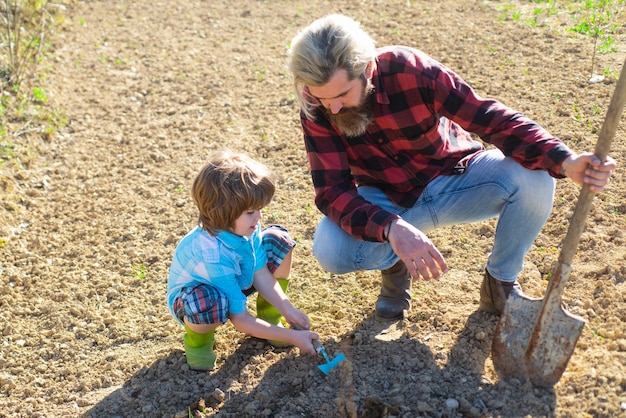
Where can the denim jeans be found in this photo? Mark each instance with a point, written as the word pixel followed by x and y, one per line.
pixel 491 186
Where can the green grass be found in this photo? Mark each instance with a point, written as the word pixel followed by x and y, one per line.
pixel 26 116
pixel 24 28
pixel 589 17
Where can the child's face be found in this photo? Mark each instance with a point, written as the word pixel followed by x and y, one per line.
pixel 246 223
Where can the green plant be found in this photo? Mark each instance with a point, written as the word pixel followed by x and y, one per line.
pixel 577 114
pixel 259 72
pixel 595 331
pixel 6 150
pixel 596 15
pixel 596 109
pixel 607 46
pixel 39 95
pixel 609 73
pixel 594 18
pixel 531 22
pixel 139 271
pixel 22 38
pixel 23 27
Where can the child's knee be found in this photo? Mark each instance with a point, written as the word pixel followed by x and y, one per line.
pixel 279 247
pixel 202 328
pixel 277 231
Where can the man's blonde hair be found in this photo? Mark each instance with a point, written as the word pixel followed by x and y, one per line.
pixel 227 186
pixel 331 43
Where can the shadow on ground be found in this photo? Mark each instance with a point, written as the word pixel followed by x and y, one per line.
pixel 388 372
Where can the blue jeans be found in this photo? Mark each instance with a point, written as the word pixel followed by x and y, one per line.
pixel 492 185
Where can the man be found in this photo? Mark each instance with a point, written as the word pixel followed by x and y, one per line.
pixel 387 134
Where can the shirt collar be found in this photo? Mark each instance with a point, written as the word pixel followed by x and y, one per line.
pixel 232 240
pixel 377 82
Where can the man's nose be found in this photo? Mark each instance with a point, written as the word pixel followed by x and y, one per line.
pixel 335 106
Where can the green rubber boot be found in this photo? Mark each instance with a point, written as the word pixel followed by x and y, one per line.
pixel 199 350
pixel 267 312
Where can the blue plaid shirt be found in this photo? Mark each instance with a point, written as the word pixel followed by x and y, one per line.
pixel 226 261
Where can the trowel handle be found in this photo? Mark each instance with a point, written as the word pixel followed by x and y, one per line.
pixel 319 348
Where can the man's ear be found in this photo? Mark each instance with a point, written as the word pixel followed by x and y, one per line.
pixel 369 70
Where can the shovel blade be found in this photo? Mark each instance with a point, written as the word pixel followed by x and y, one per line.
pixel 512 336
pixel 534 341
pixel 552 345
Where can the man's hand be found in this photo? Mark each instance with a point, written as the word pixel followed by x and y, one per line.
pixel 586 168
pixel 414 248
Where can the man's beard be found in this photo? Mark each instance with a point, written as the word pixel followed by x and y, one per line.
pixel 353 121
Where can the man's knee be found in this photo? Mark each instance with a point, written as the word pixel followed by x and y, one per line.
pixel 325 258
pixel 539 189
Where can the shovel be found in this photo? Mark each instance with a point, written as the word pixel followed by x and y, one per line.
pixel 535 338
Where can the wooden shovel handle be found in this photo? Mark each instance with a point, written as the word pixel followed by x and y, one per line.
pixel 577 224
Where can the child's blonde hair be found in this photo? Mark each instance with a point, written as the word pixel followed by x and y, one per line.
pixel 227 186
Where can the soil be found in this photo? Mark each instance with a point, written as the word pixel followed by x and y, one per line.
pixel 92 213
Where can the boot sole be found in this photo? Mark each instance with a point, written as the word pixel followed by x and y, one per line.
pixel 488 308
pixel 397 317
pixel 201 368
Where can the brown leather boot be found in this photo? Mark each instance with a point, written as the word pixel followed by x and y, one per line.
pixel 494 293
pixel 395 293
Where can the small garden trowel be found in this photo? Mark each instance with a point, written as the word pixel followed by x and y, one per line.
pixel 319 348
pixel 330 364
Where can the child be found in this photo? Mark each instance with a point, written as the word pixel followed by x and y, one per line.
pixel 227 257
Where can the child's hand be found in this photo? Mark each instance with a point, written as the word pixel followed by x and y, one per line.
pixel 297 318
pixel 303 339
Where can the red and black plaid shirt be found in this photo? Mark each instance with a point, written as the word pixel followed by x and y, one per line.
pixel 422 118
